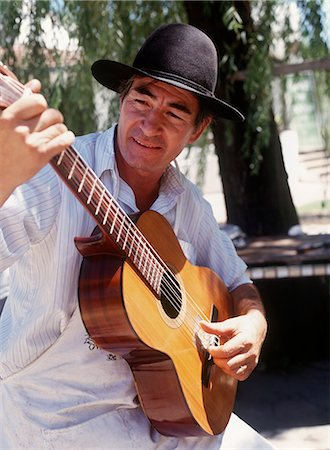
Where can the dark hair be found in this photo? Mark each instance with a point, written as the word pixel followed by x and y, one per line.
pixel 203 112
pixel 125 86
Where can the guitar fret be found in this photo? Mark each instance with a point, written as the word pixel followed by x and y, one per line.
pixel 107 213
pixel 83 180
pixel 149 267
pixel 137 251
pixel 131 247
pixel 59 161
pixel 141 259
pixel 120 230
pixel 127 234
pixel 92 191
pixel 114 222
pixel 100 202
pixel 158 280
pixel 73 167
pixel 152 276
pixel 146 263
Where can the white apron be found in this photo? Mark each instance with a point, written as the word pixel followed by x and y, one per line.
pixel 58 403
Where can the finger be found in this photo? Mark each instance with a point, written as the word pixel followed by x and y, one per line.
pixel 238 361
pixel 42 141
pixel 209 327
pixel 226 328
pixel 34 85
pixel 241 369
pixel 26 107
pixel 241 364
pixel 234 346
pixel 239 372
pixel 59 143
pixel 242 373
pixel 48 118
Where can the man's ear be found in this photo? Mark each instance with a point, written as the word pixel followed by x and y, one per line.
pixel 200 129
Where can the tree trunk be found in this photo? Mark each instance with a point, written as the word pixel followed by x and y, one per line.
pixel 260 204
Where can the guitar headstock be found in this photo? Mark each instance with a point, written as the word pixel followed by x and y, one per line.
pixel 10 88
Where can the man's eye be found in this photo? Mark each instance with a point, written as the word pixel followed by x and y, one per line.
pixel 175 116
pixel 140 102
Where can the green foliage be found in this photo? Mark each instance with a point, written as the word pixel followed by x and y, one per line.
pixel 315 43
pixel 116 29
pixel 272 25
pixel 315 39
pixel 258 86
pixel 95 30
pixel 34 63
pixel 309 40
pixel 233 20
pixel 10 24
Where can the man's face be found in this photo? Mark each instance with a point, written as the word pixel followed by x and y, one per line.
pixel 156 122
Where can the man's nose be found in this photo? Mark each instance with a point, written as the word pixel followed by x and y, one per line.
pixel 151 123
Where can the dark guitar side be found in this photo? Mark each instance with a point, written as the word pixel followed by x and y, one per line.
pixel 123 316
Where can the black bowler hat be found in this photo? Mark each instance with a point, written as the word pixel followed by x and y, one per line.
pixel 177 54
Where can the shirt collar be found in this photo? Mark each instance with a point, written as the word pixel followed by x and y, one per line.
pixel 172 184
pixel 105 152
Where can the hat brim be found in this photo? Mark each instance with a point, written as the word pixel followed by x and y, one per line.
pixel 112 74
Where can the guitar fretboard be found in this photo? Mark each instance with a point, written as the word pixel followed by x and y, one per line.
pixel 94 196
pixel 109 216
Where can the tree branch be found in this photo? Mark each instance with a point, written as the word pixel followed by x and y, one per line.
pixel 285 69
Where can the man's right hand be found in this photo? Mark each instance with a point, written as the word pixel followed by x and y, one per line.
pixel 30 135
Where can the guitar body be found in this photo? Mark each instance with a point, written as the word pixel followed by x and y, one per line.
pixel 181 391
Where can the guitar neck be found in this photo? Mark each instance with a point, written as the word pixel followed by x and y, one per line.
pixel 94 196
pixel 109 216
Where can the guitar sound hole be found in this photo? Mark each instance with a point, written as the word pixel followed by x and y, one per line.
pixel 170 295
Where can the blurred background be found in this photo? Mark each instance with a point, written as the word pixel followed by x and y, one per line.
pixel 266 179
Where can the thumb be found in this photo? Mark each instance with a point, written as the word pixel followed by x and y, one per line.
pixel 227 327
pixel 34 85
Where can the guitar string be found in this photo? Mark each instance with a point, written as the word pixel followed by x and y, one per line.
pixel 170 281
pixel 18 88
pixel 167 287
pixel 139 239
pixel 190 320
pixel 170 284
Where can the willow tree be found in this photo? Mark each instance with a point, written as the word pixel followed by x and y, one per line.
pixel 29 35
pixel 103 30
pixel 254 180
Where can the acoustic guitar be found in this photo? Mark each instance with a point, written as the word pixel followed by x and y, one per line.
pixel 141 298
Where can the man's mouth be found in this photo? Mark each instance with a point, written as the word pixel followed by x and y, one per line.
pixel 145 144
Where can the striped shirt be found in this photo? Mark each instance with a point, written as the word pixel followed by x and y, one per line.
pixel 37 227
pixel 38 224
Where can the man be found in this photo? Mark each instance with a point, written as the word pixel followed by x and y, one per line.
pixel 4 276
pixel 59 390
